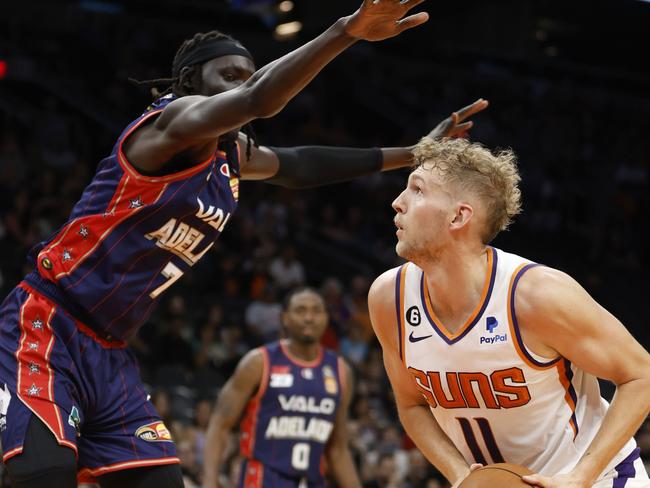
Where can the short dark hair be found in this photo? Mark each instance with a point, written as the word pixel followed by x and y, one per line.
pixel 187 46
pixel 174 84
pixel 286 302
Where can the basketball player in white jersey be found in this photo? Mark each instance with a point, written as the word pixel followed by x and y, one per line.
pixel 503 352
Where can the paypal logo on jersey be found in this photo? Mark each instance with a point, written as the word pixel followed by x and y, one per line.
pixel 492 323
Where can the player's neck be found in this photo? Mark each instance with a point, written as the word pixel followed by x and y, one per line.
pixel 455 284
pixel 301 352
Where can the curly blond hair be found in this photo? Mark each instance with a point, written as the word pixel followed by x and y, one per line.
pixel 492 177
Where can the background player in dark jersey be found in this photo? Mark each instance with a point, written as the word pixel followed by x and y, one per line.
pixel 295 396
pixel 153 209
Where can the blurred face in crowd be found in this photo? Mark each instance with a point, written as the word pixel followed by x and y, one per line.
pixel 425 213
pixel 202 412
pixel 305 319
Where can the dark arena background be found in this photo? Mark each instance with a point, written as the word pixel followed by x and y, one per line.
pixel 569 88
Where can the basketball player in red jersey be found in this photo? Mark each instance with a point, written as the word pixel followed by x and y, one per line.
pixel 494 358
pixel 295 396
pixel 71 402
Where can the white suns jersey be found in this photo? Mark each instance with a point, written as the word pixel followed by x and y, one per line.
pixel 496 400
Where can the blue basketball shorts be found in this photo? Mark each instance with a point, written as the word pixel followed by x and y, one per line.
pixel 85 389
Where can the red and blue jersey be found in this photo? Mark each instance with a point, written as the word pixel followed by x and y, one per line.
pixel 290 419
pixel 131 236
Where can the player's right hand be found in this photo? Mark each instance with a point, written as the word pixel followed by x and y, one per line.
pixel 473 467
pixel 381 19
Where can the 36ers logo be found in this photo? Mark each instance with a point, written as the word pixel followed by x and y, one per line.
pixel 329 379
pixel 234 181
pixel 154 432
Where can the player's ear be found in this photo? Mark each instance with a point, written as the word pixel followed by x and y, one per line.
pixel 464 213
pixel 186 79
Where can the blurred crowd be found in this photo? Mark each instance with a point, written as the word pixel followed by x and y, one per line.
pixel 584 160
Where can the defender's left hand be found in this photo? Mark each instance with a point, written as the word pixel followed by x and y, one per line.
pixel 377 20
pixel 558 481
pixel 454 125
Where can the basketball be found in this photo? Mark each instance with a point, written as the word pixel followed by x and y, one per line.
pixel 502 475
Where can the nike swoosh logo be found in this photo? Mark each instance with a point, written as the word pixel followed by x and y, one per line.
pixel 418 339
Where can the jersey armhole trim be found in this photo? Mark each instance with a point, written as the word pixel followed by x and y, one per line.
pixel 132 171
pixel 264 381
pixel 343 377
pixel 399 309
pixel 238 175
pixel 518 342
pixel 565 375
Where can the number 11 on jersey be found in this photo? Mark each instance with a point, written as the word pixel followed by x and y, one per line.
pixel 488 439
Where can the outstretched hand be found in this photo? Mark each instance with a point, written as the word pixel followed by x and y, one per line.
pixel 377 20
pixel 454 125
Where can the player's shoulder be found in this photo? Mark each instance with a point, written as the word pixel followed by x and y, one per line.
pixel 543 281
pixel 383 288
pixel 341 360
pixel 381 305
pixel 253 359
pixel 544 288
pixel 177 106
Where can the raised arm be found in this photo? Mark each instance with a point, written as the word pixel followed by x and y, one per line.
pixel 230 406
pixel 339 457
pixel 191 123
pixel 557 316
pixel 310 166
pixel 413 410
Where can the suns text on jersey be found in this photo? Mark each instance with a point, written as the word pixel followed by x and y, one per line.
pixel 504 388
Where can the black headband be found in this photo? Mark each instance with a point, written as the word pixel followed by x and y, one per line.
pixel 207 50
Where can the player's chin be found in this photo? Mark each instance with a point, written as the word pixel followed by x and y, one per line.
pixel 308 339
pixel 401 249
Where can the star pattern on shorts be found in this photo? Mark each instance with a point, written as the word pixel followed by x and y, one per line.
pixel 67 256
pixel 37 324
pixel 136 202
pixel 34 368
pixel 83 231
pixel 34 390
pixel 33 346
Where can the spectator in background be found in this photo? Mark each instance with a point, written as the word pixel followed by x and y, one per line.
pixel 420 473
pixel 230 348
pixel 354 346
pixel 337 309
pixel 385 474
pixel 263 317
pixel 202 412
pixel 286 271
pixel 189 465
pixel 358 303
